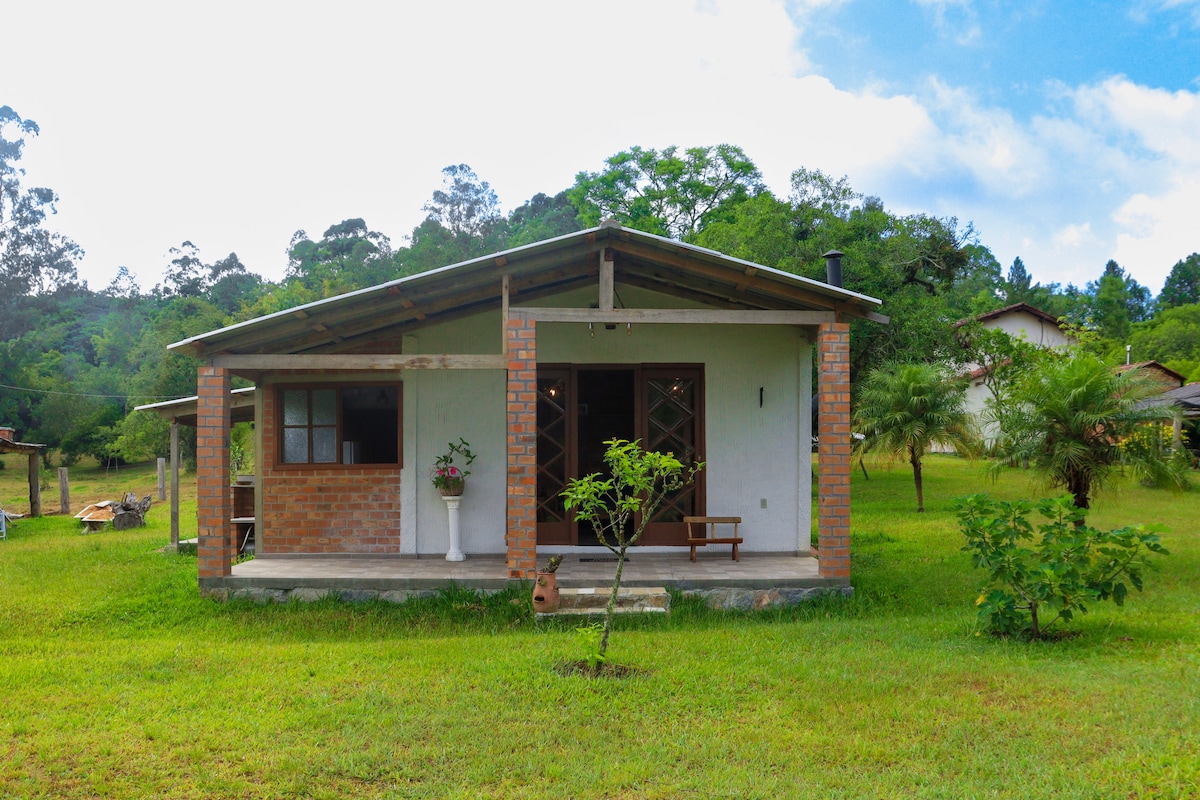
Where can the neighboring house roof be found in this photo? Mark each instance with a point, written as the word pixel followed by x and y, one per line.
pixel 1166 371
pixel 1013 309
pixel 542 268
pixel 1187 398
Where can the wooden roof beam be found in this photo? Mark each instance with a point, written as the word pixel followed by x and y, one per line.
pixel 729 277
pixel 529 287
pixel 455 313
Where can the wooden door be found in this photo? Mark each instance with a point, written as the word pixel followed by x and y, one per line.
pixel 668 409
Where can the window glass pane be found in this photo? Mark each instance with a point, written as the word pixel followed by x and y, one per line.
pixel 324 407
pixel 295 408
pixel 295 445
pixel 324 445
pixel 370 425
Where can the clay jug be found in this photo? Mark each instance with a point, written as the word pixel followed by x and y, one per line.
pixel 545 593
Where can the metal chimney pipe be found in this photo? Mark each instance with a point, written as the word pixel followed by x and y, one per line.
pixel 833 268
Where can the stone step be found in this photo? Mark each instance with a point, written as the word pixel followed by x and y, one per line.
pixel 630 600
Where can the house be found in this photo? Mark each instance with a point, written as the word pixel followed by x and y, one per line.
pixel 1019 320
pixel 1184 400
pixel 535 356
pixel 1159 373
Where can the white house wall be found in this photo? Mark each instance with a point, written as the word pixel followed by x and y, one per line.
pixel 1032 328
pixel 753 454
pixel 1018 324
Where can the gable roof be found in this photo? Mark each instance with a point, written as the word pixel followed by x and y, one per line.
pixel 1013 309
pixel 1154 365
pixel 542 268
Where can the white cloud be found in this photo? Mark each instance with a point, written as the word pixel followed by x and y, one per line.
pixel 1141 11
pixel 955 19
pixel 188 127
pixel 1073 236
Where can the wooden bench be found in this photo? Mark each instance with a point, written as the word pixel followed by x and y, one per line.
pixel 708 533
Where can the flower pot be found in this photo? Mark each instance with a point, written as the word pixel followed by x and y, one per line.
pixel 545 593
pixel 453 487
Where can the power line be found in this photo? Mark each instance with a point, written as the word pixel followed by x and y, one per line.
pixel 88 394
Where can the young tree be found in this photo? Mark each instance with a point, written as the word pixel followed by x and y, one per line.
pixel 905 408
pixel 1061 571
pixel 1070 418
pixel 620 506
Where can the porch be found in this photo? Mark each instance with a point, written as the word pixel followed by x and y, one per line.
pixel 758 579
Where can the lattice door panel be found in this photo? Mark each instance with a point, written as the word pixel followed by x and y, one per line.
pixel 552 445
pixel 672 425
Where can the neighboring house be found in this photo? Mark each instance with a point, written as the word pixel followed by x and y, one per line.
pixel 1020 320
pixel 535 356
pixel 1161 374
pixel 1183 399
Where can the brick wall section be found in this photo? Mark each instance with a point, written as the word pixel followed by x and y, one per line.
pixel 833 455
pixel 213 501
pixel 521 414
pixel 343 510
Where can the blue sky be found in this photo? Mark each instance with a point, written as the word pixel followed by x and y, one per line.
pixel 1068 132
pixel 1008 54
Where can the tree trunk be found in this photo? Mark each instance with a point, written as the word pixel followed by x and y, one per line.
pixel 611 608
pixel 1079 487
pixel 916 465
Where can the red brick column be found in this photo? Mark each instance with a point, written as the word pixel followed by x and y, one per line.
pixel 833 453
pixel 213 502
pixel 521 408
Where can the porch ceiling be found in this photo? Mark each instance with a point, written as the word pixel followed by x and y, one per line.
pixel 341 323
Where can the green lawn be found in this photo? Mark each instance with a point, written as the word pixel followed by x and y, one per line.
pixel 116 680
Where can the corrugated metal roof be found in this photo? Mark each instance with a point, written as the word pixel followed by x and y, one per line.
pixel 546 267
pixel 184 409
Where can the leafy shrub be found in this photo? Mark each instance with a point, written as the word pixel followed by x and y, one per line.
pixel 1060 571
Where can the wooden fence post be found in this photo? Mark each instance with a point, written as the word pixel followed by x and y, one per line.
pixel 64 491
pixel 35 486
pixel 162 479
pixel 175 483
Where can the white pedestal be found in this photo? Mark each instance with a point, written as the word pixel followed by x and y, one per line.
pixel 455 552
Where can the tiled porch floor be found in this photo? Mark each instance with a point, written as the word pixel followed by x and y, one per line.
pixel 754 571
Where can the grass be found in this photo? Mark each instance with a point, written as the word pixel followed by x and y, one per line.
pixel 117 680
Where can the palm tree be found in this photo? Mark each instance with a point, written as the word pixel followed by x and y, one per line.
pixel 1075 419
pixel 905 408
